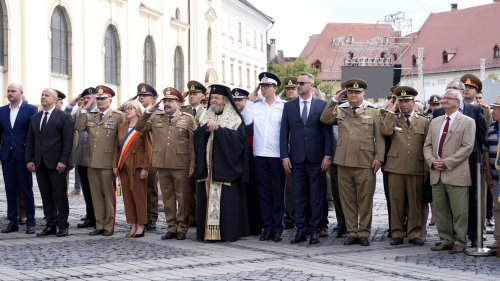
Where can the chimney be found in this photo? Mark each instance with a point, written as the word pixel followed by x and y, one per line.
pixel 454 7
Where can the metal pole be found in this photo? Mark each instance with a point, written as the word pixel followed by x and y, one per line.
pixel 479 251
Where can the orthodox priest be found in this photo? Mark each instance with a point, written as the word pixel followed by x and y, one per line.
pixel 221 170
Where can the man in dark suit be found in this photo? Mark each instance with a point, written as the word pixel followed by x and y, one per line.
pixel 475 112
pixel 48 147
pixel 306 152
pixel 14 123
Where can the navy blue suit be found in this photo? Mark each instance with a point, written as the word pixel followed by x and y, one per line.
pixel 475 112
pixel 13 141
pixel 306 146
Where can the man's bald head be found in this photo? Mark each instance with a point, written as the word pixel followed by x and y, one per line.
pixel 49 98
pixel 15 93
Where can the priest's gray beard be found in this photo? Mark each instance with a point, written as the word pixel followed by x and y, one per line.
pixel 217 109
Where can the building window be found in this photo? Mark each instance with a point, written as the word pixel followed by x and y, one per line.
pixel 209 44
pixel 112 56
pixel 232 74
pixel 262 42
pixel 240 74
pixel 4 24
pixel 177 14
pixel 179 69
pixel 496 52
pixel 445 57
pixel 223 72
pixel 60 42
pixel 255 38
pixel 316 64
pixel 149 61
pixel 414 61
pixel 239 32
pixel 394 57
pixel 248 77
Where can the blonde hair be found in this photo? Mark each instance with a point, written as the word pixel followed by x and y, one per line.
pixel 136 105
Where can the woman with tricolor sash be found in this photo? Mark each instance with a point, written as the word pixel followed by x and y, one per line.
pixel 131 163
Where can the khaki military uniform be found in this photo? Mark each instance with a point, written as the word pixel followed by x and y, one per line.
pixel 173 155
pixel 199 112
pixel 359 144
pixel 98 157
pixel 406 167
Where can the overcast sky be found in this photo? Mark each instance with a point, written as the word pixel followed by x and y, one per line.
pixel 296 20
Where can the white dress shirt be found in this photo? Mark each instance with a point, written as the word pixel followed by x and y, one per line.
pixel 48 116
pixel 13 113
pixel 452 117
pixel 301 104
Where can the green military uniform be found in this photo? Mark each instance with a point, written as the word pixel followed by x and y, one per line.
pixel 405 166
pixel 98 157
pixel 359 144
pixel 173 156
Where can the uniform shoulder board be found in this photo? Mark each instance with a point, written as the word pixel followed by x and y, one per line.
pixel 159 112
pixel 185 106
pixel 187 114
pixel 369 105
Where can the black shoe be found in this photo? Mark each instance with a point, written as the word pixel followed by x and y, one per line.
pixel 181 236
pixel 289 225
pixel 417 241
pixel 192 224
pixel 30 229
pixel 169 235
pixel 350 241
pixel 136 235
pixel 473 244
pixel 397 241
pixel 151 225
pixel 323 232
pixel 265 236
pixel 48 230
pixel 108 232
pixel 300 236
pixel 363 241
pixel 11 228
pixel 341 232
pixel 63 231
pixel 314 239
pixel 96 232
pixel 278 236
pixel 84 218
pixel 86 223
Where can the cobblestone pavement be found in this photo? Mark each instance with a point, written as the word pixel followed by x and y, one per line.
pixel 83 257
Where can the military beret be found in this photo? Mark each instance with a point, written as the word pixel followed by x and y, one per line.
pixel 88 91
pixel 60 95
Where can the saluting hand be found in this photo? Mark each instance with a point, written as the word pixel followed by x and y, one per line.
pixel 155 106
pixel 342 95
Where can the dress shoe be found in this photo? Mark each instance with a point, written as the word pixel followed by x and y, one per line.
pixel 30 229
pixel 473 244
pixel 48 230
pixel 63 231
pixel 151 225
pixel 169 235
pixel 139 235
pixel 456 249
pixel 350 241
pixel 300 236
pixel 489 223
pixel 363 241
pixel 432 223
pixel 130 235
pixel 341 232
pixel 289 225
pixel 314 239
pixel 11 228
pixel 22 220
pixel 181 236
pixel 323 232
pixel 417 241
pixel 265 236
pixel 397 241
pixel 96 232
pixel 84 218
pixel 441 247
pixel 86 223
pixel 278 236
pixel 192 224
pixel 108 232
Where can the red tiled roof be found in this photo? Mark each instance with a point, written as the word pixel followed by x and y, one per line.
pixel 470 33
pixel 319 48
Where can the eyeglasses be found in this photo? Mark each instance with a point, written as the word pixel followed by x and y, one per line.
pixel 448 98
pixel 128 109
pixel 302 83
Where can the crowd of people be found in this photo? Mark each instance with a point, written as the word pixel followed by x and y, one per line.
pixel 234 163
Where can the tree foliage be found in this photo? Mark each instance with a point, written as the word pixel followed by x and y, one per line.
pixel 292 69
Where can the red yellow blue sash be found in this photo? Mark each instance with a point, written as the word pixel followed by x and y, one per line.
pixel 125 146
pixel 497 164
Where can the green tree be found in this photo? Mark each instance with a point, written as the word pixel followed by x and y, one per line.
pixel 292 69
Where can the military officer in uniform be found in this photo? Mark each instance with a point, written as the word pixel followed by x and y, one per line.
pixel 173 157
pixel 290 87
pixel 474 86
pixel 359 155
pixel 60 97
pixel 405 163
pixel 102 129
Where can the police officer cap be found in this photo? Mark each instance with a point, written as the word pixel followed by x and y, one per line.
pixel 356 85
pixel 60 95
pixel 472 80
pixel 196 87
pixel 405 93
pixel 239 93
pixel 104 92
pixel 170 93
pixel 88 91
pixel 434 99
pixel 268 78
pixel 146 89
pixel 290 82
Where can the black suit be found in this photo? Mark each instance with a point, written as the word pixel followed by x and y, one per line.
pixel 475 112
pixel 46 149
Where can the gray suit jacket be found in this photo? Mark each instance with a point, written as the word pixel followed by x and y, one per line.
pixel 457 147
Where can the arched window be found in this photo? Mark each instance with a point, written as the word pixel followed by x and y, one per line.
pixel 111 56
pixel 179 69
pixel 4 24
pixel 177 14
pixel 414 61
pixel 60 42
pixel 496 52
pixel 209 44
pixel 149 61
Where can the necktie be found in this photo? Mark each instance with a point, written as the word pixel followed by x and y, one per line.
pixel 170 119
pixel 304 113
pixel 100 116
pixel 44 121
pixel 408 120
pixel 194 111
pixel 443 137
pixel 354 109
